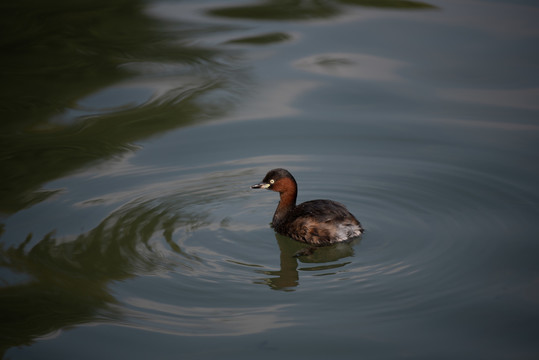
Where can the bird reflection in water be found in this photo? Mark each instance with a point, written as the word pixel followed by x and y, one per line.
pixel 292 253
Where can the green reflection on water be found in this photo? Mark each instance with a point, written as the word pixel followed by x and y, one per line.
pixel 279 10
pixel 56 53
pixel 68 279
pixel 262 39
pixel 303 10
pixel 53 55
pixel 393 4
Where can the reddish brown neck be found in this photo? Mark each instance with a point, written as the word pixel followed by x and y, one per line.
pixel 288 195
pixel 288 200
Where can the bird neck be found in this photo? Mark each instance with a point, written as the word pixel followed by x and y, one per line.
pixel 286 204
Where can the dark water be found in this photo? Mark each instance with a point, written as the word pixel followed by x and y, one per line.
pixel 131 131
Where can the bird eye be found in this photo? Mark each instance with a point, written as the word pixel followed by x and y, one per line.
pixel 272 181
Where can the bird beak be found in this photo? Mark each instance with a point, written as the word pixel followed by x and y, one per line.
pixel 260 186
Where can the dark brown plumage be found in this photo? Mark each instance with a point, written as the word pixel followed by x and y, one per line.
pixel 316 222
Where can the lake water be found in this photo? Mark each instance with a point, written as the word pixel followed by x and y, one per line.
pixel 132 130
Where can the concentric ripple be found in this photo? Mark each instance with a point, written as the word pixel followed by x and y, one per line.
pixel 201 232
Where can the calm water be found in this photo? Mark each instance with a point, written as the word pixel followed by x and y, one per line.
pixel 131 131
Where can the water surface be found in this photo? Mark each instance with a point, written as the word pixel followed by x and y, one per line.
pixel 131 132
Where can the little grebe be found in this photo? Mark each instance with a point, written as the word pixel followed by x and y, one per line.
pixel 316 222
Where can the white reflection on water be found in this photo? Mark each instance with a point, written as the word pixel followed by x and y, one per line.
pixel 274 101
pixel 123 165
pixel 183 188
pixel 348 65
pixel 199 321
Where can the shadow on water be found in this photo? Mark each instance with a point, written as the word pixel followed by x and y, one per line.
pixel 292 253
pixel 57 54
pixel 304 10
pixel 66 281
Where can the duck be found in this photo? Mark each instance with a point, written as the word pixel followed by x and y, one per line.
pixel 315 222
